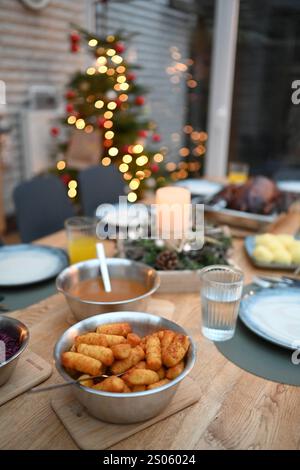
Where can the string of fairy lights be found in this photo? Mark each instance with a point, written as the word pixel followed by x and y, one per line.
pixel 192 153
pixel 132 160
pixel 110 62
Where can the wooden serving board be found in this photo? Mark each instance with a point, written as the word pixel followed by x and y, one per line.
pixel 31 370
pixel 92 434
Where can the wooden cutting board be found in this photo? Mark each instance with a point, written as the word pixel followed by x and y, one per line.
pixel 92 434
pixel 31 370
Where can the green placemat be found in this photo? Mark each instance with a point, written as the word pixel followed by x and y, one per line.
pixel 15 298
pixel 260 357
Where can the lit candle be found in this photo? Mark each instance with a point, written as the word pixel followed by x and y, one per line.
pixel 173 212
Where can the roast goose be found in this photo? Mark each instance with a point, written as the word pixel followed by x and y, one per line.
pixel 259 195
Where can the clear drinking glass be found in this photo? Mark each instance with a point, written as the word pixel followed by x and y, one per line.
pixel 221 290
pixel 82 238
pixel 238 172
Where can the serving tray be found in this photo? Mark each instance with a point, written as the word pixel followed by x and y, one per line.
pixel 92 434
pixel 241 219
pixel 30 370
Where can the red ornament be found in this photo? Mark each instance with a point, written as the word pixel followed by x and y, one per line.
pixel 100 122
pixel 74 36
pixel 69 108
pixel 143 133
pixel 54 131
pixel 75 47
pixel 118 102
pixel 75 41
pixel 140 100
pixel 131 76
pixel 156 138
pixel 70 94
pixel 120 47
pixel 66 178
pixel 154 167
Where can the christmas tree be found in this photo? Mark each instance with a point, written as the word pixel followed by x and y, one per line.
pixel 106 100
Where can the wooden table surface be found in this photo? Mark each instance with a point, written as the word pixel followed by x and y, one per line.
pixel 237 410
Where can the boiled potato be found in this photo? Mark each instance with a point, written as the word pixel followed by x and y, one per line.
pixel 295 252
pixel 280 248
pixel 282 256
pixel 269 241
pixel 265 239
pixel 263 254
pixel 286 240
pixel 275 245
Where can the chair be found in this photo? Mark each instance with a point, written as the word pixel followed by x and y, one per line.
pixel 42 206
pixel 99 185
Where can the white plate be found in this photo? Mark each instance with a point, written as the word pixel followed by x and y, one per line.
pixel 273 314
pixel 27 264
pixel 200 187
pixel 289 186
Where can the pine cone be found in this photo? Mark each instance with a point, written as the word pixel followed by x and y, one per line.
pixel 167 261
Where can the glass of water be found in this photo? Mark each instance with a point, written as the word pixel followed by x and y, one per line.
pixel 221 290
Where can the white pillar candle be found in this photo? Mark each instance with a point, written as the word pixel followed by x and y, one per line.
pixel 173 212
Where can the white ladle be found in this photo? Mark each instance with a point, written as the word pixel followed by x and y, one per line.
pixel 103 267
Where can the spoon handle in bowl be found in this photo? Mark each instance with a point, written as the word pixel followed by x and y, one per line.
pixel 65 384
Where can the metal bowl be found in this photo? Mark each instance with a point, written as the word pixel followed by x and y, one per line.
pixel 15 329
pixel 124 408
pixel 118 268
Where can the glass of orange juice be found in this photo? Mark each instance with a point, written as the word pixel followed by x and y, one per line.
pixel 238 172
pixel 82 238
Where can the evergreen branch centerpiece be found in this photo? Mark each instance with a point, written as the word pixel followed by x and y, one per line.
pixel 176 240
pixel 161 256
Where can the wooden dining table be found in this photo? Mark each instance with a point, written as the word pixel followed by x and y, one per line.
pixel 236 410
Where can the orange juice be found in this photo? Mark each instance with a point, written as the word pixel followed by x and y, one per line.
pixel 238 172
pixel 82 248
pixel 236 177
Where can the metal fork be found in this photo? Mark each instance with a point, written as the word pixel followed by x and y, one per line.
pixel 272 281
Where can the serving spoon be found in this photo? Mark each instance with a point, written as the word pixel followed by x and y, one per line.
pixel 103 267
pixel 70 382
